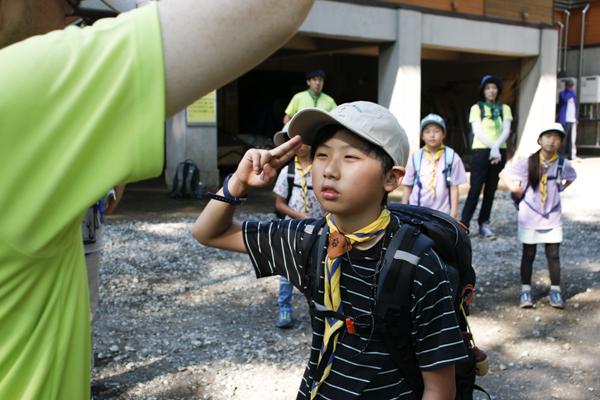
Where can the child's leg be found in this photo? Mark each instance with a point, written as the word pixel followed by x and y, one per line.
pixel 527 263
pixel 553 263
pixel 285 292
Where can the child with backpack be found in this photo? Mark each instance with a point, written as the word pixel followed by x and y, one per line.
pixel 536 183
pixel 434 171
pixel 359 151
pixel 295 199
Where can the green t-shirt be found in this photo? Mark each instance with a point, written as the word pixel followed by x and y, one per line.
pixel 488 125
pixel 82 111
pixel 303 100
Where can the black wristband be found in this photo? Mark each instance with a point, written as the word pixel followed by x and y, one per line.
pixel 228 198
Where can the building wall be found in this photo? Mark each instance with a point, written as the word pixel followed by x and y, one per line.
pixel 592 25
pixel 532 11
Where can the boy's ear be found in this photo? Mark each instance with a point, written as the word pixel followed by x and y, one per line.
pixel 393 178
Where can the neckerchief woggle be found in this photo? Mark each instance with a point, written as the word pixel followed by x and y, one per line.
pixel 333 297
pixel 315 98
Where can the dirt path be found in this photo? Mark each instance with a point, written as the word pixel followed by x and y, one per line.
pixel 178 320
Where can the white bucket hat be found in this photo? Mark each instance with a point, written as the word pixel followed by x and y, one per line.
pixel 369 121
pixel 282 136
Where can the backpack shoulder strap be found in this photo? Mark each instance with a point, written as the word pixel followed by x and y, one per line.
pixel 394 298
pixel 449 153
pixel 417 156
pixel 291 173
pixel 501 111
pixel 314 241
pixel 481 109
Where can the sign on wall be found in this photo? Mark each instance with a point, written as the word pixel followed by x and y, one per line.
pixel 203 111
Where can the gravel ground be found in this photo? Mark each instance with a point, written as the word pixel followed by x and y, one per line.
pixel 178 320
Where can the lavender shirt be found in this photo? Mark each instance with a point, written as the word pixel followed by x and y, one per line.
pixel 528 218
pixel 441 202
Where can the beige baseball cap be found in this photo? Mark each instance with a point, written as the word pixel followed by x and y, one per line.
pixel 369 121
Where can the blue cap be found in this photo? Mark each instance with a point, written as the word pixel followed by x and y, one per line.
pixel 491 79
pixel 433 119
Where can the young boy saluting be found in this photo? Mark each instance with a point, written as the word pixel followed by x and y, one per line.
pixel 359 150
pixel 428 171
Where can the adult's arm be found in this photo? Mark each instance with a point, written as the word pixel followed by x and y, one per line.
pixel 495 152
pixel 207 44
pixel 478 132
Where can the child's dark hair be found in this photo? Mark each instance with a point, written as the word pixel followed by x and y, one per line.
pixel 533 171
pixel 328 131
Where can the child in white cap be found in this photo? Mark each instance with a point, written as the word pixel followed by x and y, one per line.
pixel 536 182
pixel 295 199
pixel 434 171
pixel 359 152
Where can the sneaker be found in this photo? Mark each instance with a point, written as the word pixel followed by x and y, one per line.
pixel 526 301
pixel 285 317
pixel 556 300
pixel 485 231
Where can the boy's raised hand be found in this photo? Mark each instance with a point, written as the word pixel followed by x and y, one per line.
pixel 258 167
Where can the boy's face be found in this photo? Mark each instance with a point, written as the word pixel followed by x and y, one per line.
pixel 347 181
pixel 550 141
pixel 433 135
pixel 490 91
pixel 315 84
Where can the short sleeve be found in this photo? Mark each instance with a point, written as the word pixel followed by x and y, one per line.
pixel 569 174
pixel 506 112
pixel 276 248
pixel 518 171
pixel 292 108
pixel 475 114
pixel 458 175
pixel 409 176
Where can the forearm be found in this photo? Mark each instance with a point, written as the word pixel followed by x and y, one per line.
pixel 113 201
pixel 454 201
pixel 505 133
pixel 512 186
pixel 207 44
pixel 286 119
pixel 406 194
pixel 215 227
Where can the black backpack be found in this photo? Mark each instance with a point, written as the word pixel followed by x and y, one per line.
pixel 421 229
pixel 186 182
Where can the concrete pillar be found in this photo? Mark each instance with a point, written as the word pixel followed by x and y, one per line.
pixel 198 143
pixel 537 93
pixel 400 74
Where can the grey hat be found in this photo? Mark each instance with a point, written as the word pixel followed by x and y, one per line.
pixel 369 121
pixel 282 136
pixel 433 119
pixel 556 127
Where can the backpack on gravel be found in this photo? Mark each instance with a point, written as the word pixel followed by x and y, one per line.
pixel 421 229
pixel 186 182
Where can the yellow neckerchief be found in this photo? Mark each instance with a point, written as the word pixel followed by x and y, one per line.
pixel 333 273
pixel 544 166
pixel 303 174
pixel 433 163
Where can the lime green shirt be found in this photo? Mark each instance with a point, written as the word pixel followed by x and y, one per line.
pixel 303 100
pixel 488 125
pixel 82 111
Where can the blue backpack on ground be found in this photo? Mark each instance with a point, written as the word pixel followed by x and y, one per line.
pixel 186 182
pixel 449 158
